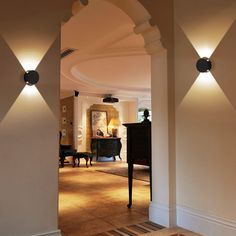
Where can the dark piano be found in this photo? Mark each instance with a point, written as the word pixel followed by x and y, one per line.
pixel 138 150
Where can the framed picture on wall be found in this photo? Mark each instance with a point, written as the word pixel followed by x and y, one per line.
pixel 64 120
pixel 99 123
pixel 64 108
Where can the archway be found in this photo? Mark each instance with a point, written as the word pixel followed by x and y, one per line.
pixel 162 207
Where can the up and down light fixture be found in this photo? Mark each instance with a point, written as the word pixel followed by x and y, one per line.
pixel 204 65
pixel 31 77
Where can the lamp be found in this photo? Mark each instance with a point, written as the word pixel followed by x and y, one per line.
pixel 204 64
pixel 114 125
pixel 31 77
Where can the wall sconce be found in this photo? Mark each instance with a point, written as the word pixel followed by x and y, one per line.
pixel 204 65
pixel 76 93
pixel 31 77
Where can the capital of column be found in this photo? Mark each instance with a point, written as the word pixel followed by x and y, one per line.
pixel 78 5
pixel 152 37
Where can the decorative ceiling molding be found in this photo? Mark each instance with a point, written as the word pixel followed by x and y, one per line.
pixel 152 37
pixel 70 13
pixel 77 6
pixel 88 81
pixel 121 52
pixel 116 52
pixel 133 36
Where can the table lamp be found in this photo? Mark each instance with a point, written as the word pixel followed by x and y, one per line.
pixel 114 125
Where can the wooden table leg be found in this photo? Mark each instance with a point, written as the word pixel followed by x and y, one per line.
pixel 130 183
pixel 86 158
pixel 74 161
pixel 62 159
pixel 91 158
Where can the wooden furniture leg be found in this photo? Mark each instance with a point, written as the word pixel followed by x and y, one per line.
pixel 90 160
pixel 86 159
pixel 74 161
pixel 130 181
pixel 62 159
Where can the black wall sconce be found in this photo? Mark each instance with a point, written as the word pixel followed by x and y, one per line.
pixel 76 93
pixel 204 65
pixel 31 77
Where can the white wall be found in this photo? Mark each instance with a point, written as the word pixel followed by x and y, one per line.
pixel 29 117
pixel 127 114
pixel 206 117
pixel 205 121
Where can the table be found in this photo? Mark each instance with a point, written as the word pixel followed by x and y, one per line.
pixel 106 147
pixel 138 150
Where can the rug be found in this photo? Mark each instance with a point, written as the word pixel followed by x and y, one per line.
pixel 132 230
pixel 139 172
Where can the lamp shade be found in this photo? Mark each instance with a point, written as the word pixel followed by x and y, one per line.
pixel 114 125
pixel 114 122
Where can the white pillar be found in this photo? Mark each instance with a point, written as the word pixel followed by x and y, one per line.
pixel 162 206
pixel 79 124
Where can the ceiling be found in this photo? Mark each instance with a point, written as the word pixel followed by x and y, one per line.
pixel 109 58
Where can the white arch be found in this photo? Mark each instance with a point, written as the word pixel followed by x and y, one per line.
pixel 140 16
pixel 162 207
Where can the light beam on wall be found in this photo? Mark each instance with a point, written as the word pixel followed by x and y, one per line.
pixel 205 93
pixel 205 51
pixel 30 91
pixel 30 61
pixel 30 104
pixel 205 81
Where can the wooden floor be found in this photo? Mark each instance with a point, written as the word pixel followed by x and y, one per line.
pixel 94 203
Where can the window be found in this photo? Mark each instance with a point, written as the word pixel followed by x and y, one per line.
pixel 140 114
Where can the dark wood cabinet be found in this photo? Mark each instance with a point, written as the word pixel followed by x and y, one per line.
pixel 138 149
pixel 106 147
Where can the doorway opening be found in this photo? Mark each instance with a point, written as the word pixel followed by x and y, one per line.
pixel 107 50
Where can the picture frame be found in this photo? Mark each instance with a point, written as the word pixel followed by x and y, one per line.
pixel 64 120
pixel 64 109
pixel 99 123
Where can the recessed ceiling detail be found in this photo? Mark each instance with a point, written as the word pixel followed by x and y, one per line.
pixel 111 57
pixel 122 72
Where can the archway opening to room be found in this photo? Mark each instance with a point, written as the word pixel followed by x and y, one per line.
pixel 104 58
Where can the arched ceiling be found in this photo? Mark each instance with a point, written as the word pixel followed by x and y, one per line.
pixel 109 58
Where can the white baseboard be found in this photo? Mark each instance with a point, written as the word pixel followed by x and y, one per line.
pixel 204 224
pixel 51 233
pixel 162 214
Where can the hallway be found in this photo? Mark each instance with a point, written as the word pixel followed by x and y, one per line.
pixel 92 202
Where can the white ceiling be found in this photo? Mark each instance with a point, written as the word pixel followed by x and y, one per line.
pixel 109 58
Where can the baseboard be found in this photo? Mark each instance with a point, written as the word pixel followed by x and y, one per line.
pixel 51 233
pixel 204 224
pixel 162 214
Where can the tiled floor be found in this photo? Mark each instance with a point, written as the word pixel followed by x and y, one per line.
pixel 92 202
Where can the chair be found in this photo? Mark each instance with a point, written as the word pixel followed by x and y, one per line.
pixel 64 151
pixel 67 150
